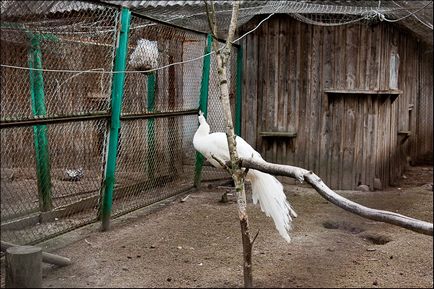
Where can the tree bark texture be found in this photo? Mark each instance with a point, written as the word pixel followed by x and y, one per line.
pixel 222 57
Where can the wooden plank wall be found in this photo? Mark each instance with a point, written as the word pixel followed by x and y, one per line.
pixel 424 115
pixel 346 139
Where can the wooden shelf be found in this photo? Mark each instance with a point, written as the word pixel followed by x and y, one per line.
pixel 278 134
pixel 393 93
pixel 404 132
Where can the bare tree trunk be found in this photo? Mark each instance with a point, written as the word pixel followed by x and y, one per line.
pixel 373 214
pixel 238 175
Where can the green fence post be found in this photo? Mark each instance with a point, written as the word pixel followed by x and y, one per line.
pixel 39 131
pixel 151 126
pixel 115 124
pixel 239 84
pixel 203 105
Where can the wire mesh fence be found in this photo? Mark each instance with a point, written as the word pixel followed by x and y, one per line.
pixel 54 170
pixel 215 109
pixel 57 109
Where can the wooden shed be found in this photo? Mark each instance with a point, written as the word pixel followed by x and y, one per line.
pixel 353 102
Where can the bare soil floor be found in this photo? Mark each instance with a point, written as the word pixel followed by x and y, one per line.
pixel 197 243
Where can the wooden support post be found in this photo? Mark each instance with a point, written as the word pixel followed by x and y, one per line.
pixel 23 267
pixel 203 105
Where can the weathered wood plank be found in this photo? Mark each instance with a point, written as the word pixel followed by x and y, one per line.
pixel 351 48
pixel 293 71
pixel 262 85
pixel 341 103
pixel 361 57
pixel 315 102
pixel 302 31
pixel 350 108
pixel 379 145
pixel 282 121
pixel 349 142
pixel 424 116
pixel 308 38
pixel 373 108
pixel 274 113
pixel 250 115
pixel 326 82
pixel 364 143
pixel 373 57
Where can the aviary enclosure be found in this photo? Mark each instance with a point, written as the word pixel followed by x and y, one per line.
pixel 66 80
pixel 81 124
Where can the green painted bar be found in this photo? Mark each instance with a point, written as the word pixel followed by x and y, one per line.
pixel 39 131
pixel 239 85
pixel 203 105
pixel 151 126
pixel 115 124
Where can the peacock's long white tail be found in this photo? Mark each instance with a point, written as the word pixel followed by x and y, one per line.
pixel 269 192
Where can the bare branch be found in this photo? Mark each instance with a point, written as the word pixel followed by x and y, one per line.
pixel 212 20
pixel 233 25
pixel 222 163
pixel 336 199
pixel 254 238
pixel 236 171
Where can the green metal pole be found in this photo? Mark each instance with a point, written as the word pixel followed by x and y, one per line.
pixel 151 126
pixel 203 105
pixel 39 131
pixel 239 84
pixel 115 123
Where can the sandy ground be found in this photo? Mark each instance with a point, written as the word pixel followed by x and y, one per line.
pixel 197 243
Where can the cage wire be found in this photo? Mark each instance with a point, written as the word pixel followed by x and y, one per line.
pixel 216 113
pixel 51 174
pixel 57 66
pixel 151 162
pixel 415 15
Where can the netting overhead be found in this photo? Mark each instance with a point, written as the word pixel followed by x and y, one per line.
pixel 414 15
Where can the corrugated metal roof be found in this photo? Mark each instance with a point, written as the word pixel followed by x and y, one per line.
pixel 145 4
pixel 21 8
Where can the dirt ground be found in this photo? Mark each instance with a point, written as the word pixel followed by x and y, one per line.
pixel 197 243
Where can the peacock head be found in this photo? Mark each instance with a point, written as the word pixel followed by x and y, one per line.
pixel 201 117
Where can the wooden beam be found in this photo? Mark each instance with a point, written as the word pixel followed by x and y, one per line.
pixel 362 91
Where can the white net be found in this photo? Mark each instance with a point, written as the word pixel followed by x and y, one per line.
pixel 415 15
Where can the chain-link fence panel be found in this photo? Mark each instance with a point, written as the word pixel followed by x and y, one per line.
pixel 57 68
pixel 159 114
pixel 216 115
pixel 54 110
pixel 61 191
